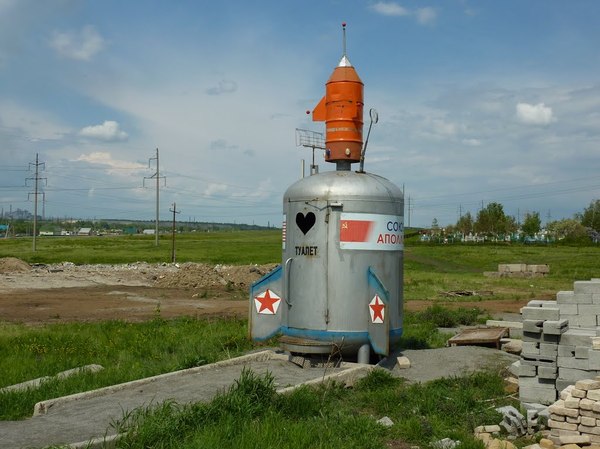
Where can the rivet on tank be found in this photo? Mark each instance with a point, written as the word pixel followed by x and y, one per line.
pixel 338 289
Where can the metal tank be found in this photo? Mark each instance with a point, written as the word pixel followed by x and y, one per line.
pixel 339 287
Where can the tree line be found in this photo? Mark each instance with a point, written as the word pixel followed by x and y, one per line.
pixel 492 222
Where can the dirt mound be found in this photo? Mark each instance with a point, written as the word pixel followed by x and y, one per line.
pixel 13 265
pixel 196 276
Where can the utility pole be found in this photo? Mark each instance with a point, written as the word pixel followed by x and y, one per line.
pixel 175 211
pixel 158 178
pixel 36 180
pixel 409 209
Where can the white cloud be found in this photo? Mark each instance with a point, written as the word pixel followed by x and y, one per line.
pixel 538 114
pixel 472 142
pixel 109 131
pixel 426 15
pixel 82 45
pixel 390 9
pixel 105 158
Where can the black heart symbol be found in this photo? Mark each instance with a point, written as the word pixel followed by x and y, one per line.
pixel 305 223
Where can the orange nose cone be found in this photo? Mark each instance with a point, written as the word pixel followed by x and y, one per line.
pixel 342 111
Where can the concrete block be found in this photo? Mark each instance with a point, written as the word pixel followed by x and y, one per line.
pixel 586 404
pixel 527 371
pixel 544 269
pixel 583 320
pixel 574 439
pixel 578 337
pixel 594 359
pixel 595 406
pixel 589 413
pixel 587 421
pixel 566 350
pixel 595 342
pixel 534 360
pixel 540 313
pixel 595 298
pixel 594 395
pixel 572 374
pixel 593 430
pixel 545 372
pixel 572 402
pixel 555 327
pixel 565 392
pixel 542 395
pixel 548 349
pixel 546 303
pixel 534 382
pixel 577 393
pixel 531 347
pixel 403 362
pixel 568 309
pixel 582 298
pixel 533 326
pixel 542 338
pixel 586 287
pixel 562 425
pixel 581 352
pixel 512 268
pixel 571 362
pixel 589 309
pixel 588 384
pixel 561 383
pixel 564 297
pixel 573 420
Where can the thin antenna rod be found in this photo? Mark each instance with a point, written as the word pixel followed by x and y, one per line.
pixel 344 34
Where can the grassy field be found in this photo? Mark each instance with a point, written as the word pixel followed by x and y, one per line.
pixel 128 351
pixel 429 270
pixel 239 247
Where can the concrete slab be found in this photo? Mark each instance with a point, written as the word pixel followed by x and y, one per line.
pixel 87 416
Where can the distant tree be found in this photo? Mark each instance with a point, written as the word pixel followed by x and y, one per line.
pixel 531 224
pixel 511 224
pixel 465 223
pixel 567 229
pixel 491 220
pixel 590 218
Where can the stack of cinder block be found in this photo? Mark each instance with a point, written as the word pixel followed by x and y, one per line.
pixel 519 270
pixel 560 342
pixel 575 417
pixel 538 371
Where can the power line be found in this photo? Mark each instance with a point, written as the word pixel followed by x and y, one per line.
pixel 36 179
pixel 157 177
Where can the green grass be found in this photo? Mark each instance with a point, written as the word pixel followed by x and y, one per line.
pixel 127 351
pixel 238 247
pixel 250 415
pixel 430 270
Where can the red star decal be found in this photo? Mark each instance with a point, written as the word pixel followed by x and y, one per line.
pixel 377 310
pixel 267 302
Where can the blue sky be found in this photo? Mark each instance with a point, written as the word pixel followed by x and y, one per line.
pixel 478 101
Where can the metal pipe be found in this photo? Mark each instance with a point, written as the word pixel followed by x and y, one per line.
pixel 364 354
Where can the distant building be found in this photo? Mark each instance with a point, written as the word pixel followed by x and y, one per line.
pixel 148 232
pixel 85 231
